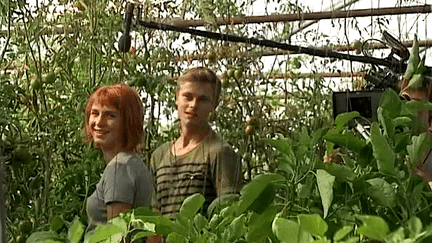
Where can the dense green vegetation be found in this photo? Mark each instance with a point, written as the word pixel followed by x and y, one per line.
pixel 53 55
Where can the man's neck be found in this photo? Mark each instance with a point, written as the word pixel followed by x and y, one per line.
pixel 190 139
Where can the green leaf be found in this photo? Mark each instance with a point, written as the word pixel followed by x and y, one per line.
pixel 56 223
pixel 387 122
pixel 191 205
pixel 200 222
pixel 341 172
pixel 237 228
pixel 258 194
pixel 313 223
pixel 343 232
pixel 347 139
pixel 402 121
pixel 76 231
pixel 382 151
pixel 140 235
pixel 281 145
pixel 342 119
pixel 415 226
pixel 287 231
pixel 373 227
pixel 391 103
pixel 416 81
pixel 175 237
pixel 418 149
pixel 396 236
pixel 325 185
pixel 44 236
pixel 163 225
pixel 105 232
pixel 381 192
pixel 260 225
pixel 412 107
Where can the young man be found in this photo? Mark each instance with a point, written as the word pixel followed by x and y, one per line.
pixel 198 161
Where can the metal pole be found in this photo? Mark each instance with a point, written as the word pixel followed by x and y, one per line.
pixel 393 64
pixel 308 16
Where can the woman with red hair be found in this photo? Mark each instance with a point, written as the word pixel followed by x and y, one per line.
pixel 114 123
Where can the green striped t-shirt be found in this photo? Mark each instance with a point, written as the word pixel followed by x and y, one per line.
pixel 212 169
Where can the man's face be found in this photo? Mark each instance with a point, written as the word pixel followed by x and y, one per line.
pixel 195 101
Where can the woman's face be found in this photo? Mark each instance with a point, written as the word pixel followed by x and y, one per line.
pixel 106 127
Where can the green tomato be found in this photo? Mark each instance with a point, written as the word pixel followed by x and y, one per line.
pixel 50 78
pixel 230 73
pixel 22 154
pixel 238 73
pixel 25 226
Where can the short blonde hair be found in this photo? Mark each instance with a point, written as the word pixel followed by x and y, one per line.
pixel 204 75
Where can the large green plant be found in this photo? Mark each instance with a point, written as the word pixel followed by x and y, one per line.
pixel 371 195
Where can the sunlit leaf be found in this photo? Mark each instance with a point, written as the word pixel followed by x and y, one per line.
pixel 418 149
pixel 191 205
pixel 347 139
pixel 76 231
pixel 382 151
pixel 373 227
pixel 259 193
pixel 44 236
pixel 343 232
pixel 325 185
pixel 313 223
pixel 381 192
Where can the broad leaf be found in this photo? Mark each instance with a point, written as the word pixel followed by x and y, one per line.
pixel 76 231
pixel 259 193
pixel 237 228
pixel 56 223
pixel 287 231
pixel 382 151
pixel 391 103
pixel 44 236
pixel 281 145
pixel 260 225
pixel 387 122
pixel 381 192
pixel 343 232
pixel 191 205
pixel 347 139
pixel 341 172
pixel 313 223
pixel 342 119
pixel 175 237
pixel 396 236
pixel 373 227
pixel 325 185
pixel 106 232
pixel 418 149
pixel 415 226
pixel 402 121
pixel 412 107
pixel 200 222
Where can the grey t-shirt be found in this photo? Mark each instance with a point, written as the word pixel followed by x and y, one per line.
pixel 125 179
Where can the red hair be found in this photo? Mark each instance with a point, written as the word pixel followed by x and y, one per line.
pixel 126 100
